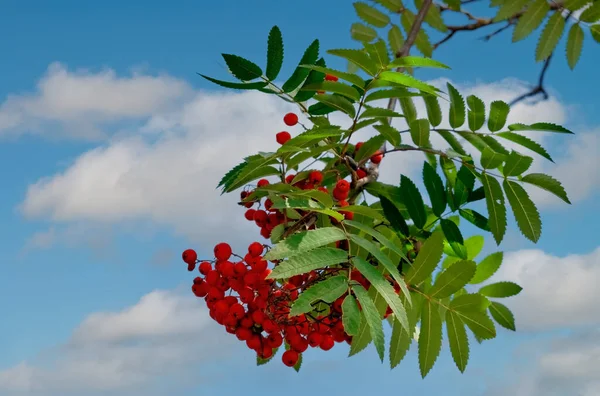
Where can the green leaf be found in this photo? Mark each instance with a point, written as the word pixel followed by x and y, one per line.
pixel 475 218
pixel 241 68
pixel 369 147
pixel 500 290
pixel 407 19
pixel 474 246
pixel 374 250
pixel 372 318
pixel 547 183
pixel 454 237
pixel 434 112
pixel 377 112
pixel 495 205
pixel 391 5
pixel 308 261
pixel 227 84
pixel 352 78
pixel 397 92
pixel 378 51
pixel 335 87
pixel 591 14
pixel 371 15
pixel 487 267
pixel 314 77
pixel 358 58
pixel 458 340
pixel 310 56
pixel 509 8
pixel 435 189
pixel 574 5
pixel 491 159
pixel 473 302
pixel 402 339
pixel 393 215
pixel 531 19
pixel 408 81
pixel 479 323
pixel 465 181
pixel 427 259
pixel 337 102
pixel 304 242
pixel 413 201
pixel 249 174
pixel 390 134
pixel 274 53
pixel 452 279
pixel 363 338
pixel 574 45
pixel 595 31
pixel 430 337
pixel 498 113
pixel 476 112
pixel 408 109
pixel 419 132
pixel 525 142
pixel 364 211
pixel 416 61
pixel 452 141
pixel 362 33
pixel 327 290
pixel 526 214
pixel 539 126
pixel 395 39
pixel 260 361
pixel 457 107
pixel 433 17
pixel 384 288
pixel 350 315
pixel 550 36
pixel 516 164
pixel 502 315
pixel 298 364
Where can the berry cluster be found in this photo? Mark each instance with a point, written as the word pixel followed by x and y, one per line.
pixel 256 309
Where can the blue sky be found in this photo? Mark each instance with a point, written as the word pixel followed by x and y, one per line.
pixel 110 149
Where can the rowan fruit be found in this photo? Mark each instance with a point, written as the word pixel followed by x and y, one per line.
pixel 283 137
pixel 222 251
pixel 189 256
pixel 329 77
pixel 290 358
pixel 290 119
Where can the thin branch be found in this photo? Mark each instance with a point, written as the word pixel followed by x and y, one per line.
pixel 539 88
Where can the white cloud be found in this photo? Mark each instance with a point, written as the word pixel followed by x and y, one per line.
pixel 558 292
pixel 77 103
pixel 161 335
pixel 168 173
pixel 567 365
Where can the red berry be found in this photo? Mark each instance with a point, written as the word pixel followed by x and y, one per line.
pixel 290 358
pixel 290 119
pixel 329 77
pixel 358 146
pixel 205 267
pixel 339 195
pixel 222 251
pixel 262 183
pixel 249 215
pixel 189 256
pixel 289 178
pixel 283 137
pixel 361 173
pixel 343 185
pixel 315 177
pixel 327 342
pixel 255 249
pixel 377 157
pixel 191 266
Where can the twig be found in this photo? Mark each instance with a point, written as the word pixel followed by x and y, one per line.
pixel 539 88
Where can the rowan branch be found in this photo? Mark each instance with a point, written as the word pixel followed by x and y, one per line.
pixel 539 88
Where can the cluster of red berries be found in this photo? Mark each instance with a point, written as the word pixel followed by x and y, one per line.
pixel 256 309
